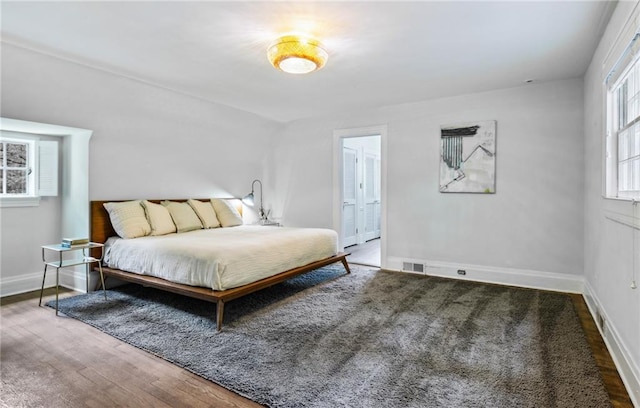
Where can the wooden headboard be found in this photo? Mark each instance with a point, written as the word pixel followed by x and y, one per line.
pixel 100 224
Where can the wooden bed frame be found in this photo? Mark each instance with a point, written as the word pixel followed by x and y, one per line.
pixel 101 230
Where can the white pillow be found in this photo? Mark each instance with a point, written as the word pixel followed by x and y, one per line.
pixel 183 216
pixel 227 214
pixel 128 219
pixel 205 212
pixel 159 218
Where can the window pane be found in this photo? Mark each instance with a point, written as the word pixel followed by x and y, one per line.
pixel 16 155
pixel 622 105
pixel 631 95
pixel 623 145
pixel 16 181
pixel 625 179
pixel 1 153
pixel 2 178
pixel 636 73
pixel 622 176
pixel 635 165
pixel 635 142
pixel 633 108
pixel 636 90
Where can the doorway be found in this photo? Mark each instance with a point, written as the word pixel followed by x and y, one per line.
pixel 361 204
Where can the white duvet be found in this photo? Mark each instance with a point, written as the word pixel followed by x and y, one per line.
pixel 222 258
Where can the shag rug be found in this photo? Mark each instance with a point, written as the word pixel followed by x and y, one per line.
pixel 369 339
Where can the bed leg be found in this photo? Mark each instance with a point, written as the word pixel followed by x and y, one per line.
pixel 346 264
pixel 219 314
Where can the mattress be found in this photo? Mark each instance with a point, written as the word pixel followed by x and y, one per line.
pixel 221 258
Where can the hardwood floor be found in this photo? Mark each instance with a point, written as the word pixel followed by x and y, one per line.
pixel 612 381
pixel 48 361
pixel 365 254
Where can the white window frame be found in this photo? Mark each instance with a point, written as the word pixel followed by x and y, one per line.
pixel 31 197
pixel 42 160
pixel 628 65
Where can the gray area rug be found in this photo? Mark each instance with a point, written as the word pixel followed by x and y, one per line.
pixel 369 339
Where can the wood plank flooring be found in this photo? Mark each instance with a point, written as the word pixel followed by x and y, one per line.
pixel 612 381
pixel 60 362
pixel 365 254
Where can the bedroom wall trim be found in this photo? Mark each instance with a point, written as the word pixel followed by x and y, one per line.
pixel 628 369
pixel 499 275
pixel 69 278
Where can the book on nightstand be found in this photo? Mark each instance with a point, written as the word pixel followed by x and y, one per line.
pixel 69 242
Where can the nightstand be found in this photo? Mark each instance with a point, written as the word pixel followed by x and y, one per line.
pixel 58 262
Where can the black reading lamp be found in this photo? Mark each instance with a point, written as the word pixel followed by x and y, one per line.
pixel 250 201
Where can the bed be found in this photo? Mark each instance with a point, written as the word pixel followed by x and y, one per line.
pixel 240 264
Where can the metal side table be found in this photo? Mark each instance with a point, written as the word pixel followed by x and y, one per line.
pixel 59 262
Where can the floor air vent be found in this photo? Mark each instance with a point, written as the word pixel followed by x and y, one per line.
pixel 412 267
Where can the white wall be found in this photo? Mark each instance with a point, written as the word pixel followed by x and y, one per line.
pixel 533 224
pixel 24 230
pixel 147 142
pixel 608 257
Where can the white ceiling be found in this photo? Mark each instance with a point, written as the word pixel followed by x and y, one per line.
pixel 380 53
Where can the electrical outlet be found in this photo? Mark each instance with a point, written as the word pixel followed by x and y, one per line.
pixel 462 272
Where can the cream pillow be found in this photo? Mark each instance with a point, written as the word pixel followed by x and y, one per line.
pixel 227 214
pixel 206 213
pixel 159 218
pixel 183 216
pixel 128 219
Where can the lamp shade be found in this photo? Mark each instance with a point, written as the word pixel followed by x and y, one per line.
pixel 248 199
pixel 297 55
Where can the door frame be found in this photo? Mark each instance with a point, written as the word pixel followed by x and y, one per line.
pixel 356 215
pixel 338 138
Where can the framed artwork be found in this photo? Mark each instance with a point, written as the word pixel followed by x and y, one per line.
pixel 468 158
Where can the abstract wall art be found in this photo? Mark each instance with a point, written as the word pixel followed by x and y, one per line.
pixel 468 158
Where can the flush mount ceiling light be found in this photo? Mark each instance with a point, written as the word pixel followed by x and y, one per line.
pixel 297 54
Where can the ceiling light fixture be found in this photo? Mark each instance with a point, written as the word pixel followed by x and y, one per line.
pixel 297 54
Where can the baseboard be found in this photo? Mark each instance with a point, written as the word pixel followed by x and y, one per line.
pixel 627 368
pixel 69 278
pixel 492 274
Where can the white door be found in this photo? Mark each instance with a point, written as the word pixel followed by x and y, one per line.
pixel 349 194
pixel 371 195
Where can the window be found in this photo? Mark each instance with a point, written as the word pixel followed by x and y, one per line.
pixel 17 168
pixel 28 169
pixel 623 136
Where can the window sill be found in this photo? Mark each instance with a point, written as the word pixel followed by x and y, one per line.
pixel 19 202
pixel 629 199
